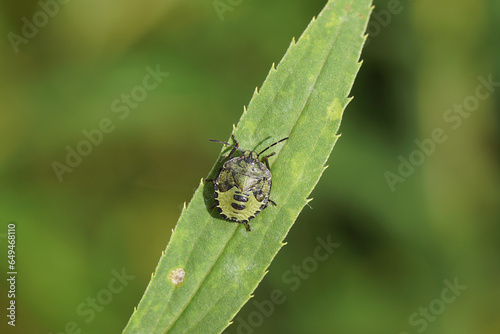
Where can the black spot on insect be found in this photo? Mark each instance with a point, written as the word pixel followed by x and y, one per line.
pixel 244 179
pixel 240 198
pixel 238 206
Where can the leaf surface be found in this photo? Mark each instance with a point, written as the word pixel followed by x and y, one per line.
pixel 304 99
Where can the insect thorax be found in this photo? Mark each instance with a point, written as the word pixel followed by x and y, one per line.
pixel 250 157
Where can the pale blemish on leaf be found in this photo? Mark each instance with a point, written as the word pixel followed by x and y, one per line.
pixel 177 276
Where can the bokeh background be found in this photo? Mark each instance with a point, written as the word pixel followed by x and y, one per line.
pixel 115 210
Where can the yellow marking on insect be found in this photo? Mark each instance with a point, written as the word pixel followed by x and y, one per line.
pixel 251 208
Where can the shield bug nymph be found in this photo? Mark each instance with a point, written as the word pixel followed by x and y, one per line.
pixel 243 184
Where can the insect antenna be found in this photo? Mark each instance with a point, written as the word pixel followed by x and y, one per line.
pixel 279 141
pixel 224 143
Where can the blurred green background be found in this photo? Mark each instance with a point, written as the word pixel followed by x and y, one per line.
pixel 400 240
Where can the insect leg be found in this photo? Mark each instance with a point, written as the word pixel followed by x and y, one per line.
pixel 247 226
pixel 235 147
pixel 266 161
pixel 235 141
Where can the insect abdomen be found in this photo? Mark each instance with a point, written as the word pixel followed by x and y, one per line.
pixel 237 206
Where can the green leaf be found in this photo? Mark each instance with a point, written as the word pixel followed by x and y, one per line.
pixel 303 98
